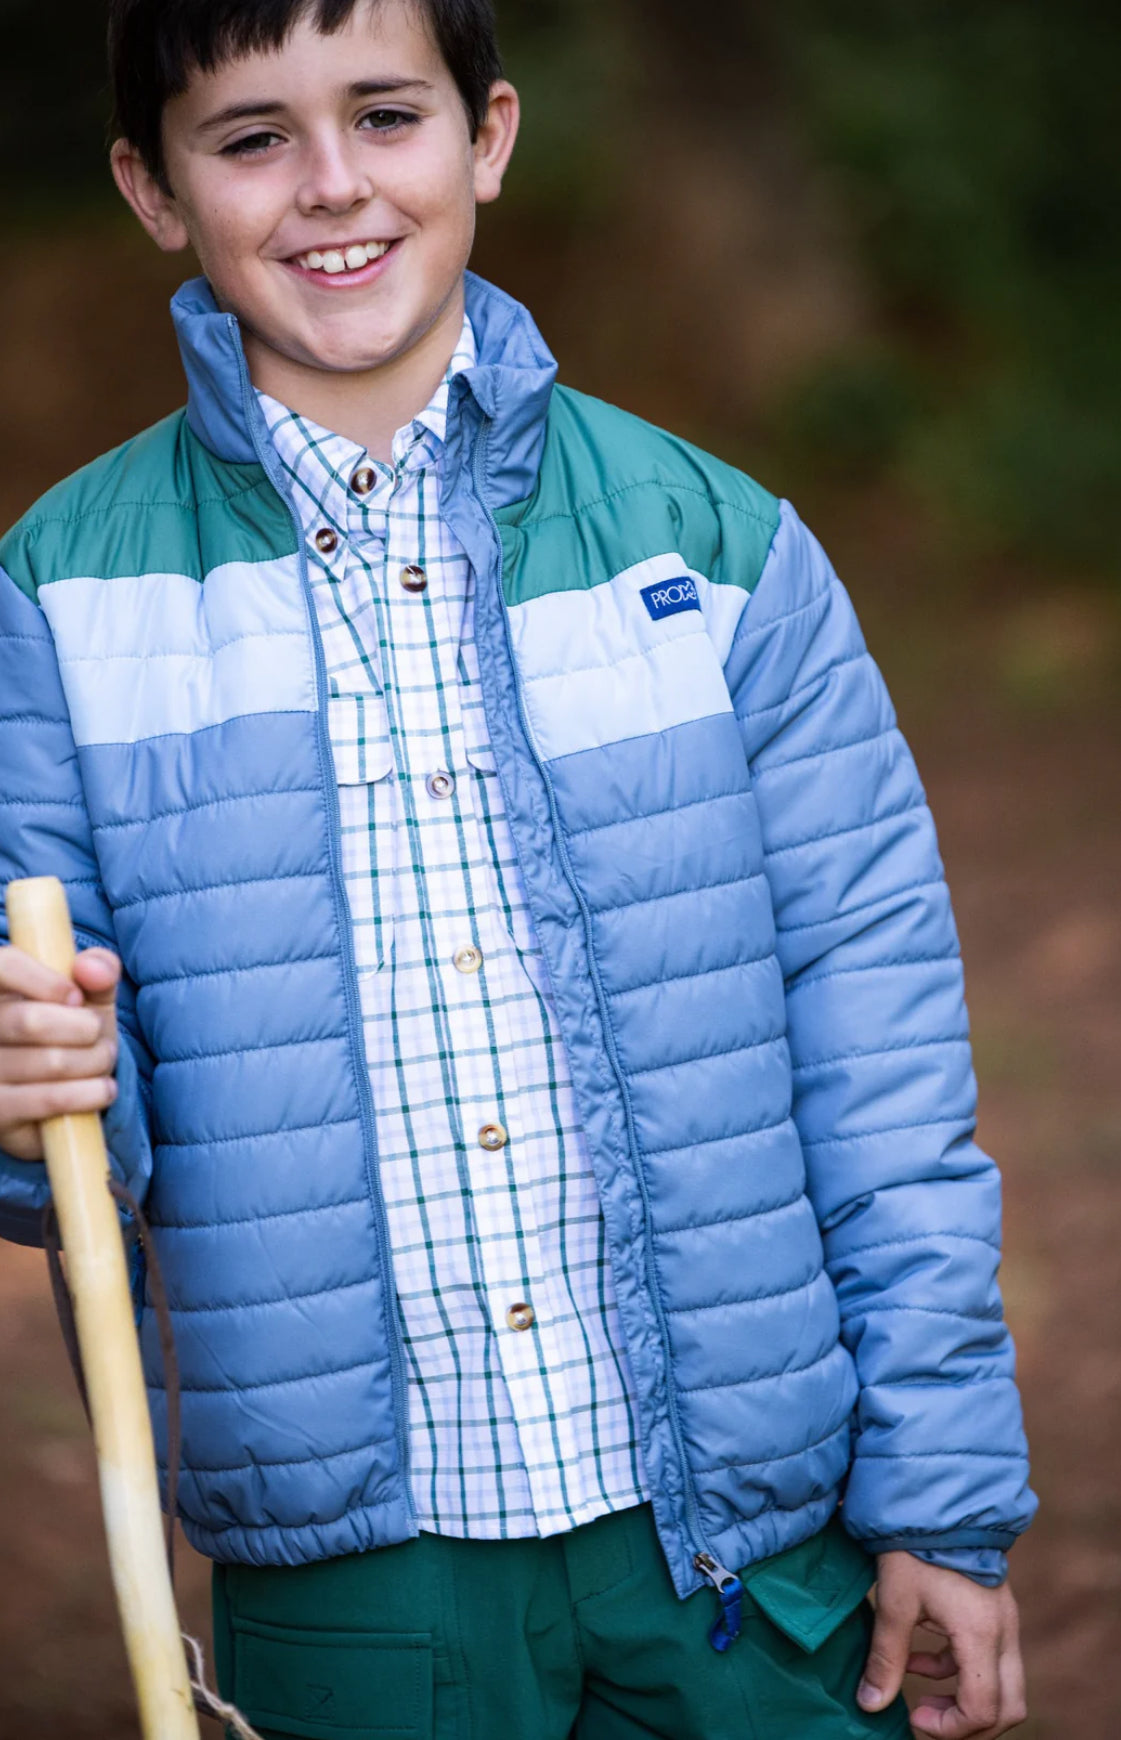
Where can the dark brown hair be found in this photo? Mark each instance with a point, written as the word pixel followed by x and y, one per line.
pixel 155 45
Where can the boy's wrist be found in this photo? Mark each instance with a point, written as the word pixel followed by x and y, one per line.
pixel 986 1566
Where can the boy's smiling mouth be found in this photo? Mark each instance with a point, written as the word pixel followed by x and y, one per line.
pixel 346 262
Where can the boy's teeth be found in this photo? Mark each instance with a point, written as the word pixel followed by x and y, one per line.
pixel 350 259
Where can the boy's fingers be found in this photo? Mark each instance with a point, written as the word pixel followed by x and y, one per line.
pixel 931 1715
pixel 1013 1686
pixel 977 1709
pixel 23 1022
pixel 22 1141
pixel 931 1666
pixel 22 976
pixel 887 1659
pixel 34 1104
pixel 47 1063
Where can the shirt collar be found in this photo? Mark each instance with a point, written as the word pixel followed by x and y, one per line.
pixel 434 417
pixel 510 387
pixel 415 445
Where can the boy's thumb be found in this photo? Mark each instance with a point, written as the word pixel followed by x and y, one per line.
pixel 887 1658
pixel 97 972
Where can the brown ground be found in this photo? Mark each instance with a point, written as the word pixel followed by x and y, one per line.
pixel 1008 686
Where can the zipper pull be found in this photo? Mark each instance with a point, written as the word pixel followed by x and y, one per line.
pixel 729 1590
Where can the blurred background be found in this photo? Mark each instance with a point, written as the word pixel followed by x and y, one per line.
pixel 871 251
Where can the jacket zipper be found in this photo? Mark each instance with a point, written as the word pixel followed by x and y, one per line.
pixel 728 1586
pixel 272 471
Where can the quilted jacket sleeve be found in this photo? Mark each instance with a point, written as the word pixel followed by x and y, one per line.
pixel 44 830
pixel 885 1096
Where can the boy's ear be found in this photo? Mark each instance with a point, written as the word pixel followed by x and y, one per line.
pixel 152 202
pixel 494 144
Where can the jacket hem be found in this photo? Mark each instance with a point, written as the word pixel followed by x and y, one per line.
pixel 750 1541
pixel 357 1531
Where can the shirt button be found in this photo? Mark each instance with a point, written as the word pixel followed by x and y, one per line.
pixel 521 1317
pixel 467 960
pixel 326 541
pixel 414 579
pixel 440 785
pixel 493 1137
pixel 363 480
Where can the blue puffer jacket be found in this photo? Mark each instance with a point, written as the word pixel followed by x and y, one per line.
pixel 737 889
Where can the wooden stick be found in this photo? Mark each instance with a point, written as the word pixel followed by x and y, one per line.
pixel 78 1166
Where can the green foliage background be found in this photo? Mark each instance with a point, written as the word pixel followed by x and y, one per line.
pixel 972 146
pixel 977 148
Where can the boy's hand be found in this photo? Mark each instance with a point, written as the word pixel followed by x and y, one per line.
pixel 58 1044
pixel 981 1627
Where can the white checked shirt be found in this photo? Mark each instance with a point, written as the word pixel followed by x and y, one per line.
pixel 520 1406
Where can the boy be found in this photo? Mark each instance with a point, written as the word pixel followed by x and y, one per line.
pixel 541 1043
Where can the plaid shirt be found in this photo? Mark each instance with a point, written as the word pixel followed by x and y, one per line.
pixel 520 1406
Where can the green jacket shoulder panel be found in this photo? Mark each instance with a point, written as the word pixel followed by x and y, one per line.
pixel 159 503
pixel 614 491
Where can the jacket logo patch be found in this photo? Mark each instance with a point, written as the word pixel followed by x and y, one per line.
pixel 671 597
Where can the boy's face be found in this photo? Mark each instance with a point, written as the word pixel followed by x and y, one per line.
pixel 349 150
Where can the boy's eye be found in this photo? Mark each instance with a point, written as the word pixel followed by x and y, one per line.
pixel 387 120
pixel 251 146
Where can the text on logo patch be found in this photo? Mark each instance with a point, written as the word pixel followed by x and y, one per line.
pixel 671 597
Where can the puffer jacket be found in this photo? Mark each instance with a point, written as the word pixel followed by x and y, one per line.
pixel 736 885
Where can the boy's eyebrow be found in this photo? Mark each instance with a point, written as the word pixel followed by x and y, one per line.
pixel 265 106
pixel 387 87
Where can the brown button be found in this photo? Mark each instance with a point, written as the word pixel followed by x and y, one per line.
pixel 363 480
pixel 414 579
pixel 326 541
pixel 521 1317
pixel 492 1137
pixel 440 785
pixel 467 960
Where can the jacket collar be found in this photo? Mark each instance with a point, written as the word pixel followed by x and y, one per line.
pixel 511 384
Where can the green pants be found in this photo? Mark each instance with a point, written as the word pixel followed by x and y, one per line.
pixel 578 1637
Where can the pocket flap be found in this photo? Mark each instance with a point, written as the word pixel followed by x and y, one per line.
pixel 481 757
pixel 360 742
pixel 476 732
pixel 812 1589
pixel 333 1685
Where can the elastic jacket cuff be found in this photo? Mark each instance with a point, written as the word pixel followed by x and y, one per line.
pixel 984 1565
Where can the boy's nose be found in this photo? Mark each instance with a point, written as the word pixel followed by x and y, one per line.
pixel 334 181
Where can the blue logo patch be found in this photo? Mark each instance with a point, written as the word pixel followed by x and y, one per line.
pixel 671 597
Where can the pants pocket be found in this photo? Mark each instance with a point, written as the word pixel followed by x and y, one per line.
pixel 791 1690
pixel 332 1685
pixel 811 1590
pixel 808 1627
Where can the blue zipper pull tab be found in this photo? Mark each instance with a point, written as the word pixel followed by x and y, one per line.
pixel 729 1590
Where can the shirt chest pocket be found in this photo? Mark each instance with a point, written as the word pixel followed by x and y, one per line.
pixel 361 745
pixel 365 774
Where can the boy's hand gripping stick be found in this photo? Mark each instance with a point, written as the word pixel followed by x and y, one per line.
pixel 78 1167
